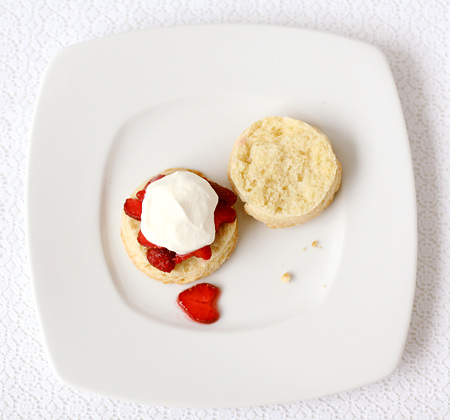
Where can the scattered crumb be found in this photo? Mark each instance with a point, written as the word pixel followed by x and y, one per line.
pixel 304 249
pixel 286 278
pixel 324 285
pixel 316 244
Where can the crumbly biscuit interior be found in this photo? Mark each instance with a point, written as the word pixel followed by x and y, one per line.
pixel 284 165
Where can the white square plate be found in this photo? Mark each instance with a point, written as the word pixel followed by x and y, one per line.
pixel 116 111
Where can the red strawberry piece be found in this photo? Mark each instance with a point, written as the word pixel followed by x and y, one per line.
pixel 161 258
pixel 223 214
pixel 140 195
pixel 144 242
pixel 199 302
pixel 133 208
pixel 182 257
pixel 225 195
pixel 155 178
pixel 204 253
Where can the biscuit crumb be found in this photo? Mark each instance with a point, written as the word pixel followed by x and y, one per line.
pixel 304 249
pixel 315 244
pixel 286 278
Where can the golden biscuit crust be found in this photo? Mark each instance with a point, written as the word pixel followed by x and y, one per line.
pixel 284 170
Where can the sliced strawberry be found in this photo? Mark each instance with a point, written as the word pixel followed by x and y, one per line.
pixel 144 242
pixel 223 214
pixel 181 257
pixel 204 253
pixel 199 302
pixel 140 195
pixel 161 258
pixel 225 195
pixel 133 208
pixel 155 178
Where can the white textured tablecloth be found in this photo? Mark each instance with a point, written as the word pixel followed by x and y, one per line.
pixel 414 35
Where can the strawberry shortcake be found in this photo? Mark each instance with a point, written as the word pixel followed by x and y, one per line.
pixel 179 226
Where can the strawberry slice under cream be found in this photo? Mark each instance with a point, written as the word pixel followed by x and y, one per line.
pixel 178 212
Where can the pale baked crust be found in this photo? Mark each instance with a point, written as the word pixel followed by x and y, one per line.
pixel 242 184
pixel 189 270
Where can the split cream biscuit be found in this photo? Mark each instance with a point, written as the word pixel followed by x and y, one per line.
pixel 186 271
pixel 284 170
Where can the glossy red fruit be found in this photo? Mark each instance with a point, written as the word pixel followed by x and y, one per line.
pixel 143 241
pixel 133 208
pixel 155 178
pixel 199 302
pixel 161 258
pixel 223 214
pixel 225 195
pixel 204 253
pixel 141 193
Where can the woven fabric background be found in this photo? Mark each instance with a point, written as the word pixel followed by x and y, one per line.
pixel 414 35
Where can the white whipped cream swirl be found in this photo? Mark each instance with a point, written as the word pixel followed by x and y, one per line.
pixel 178 212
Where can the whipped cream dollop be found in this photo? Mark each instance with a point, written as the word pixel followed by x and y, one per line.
pixel 178 212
